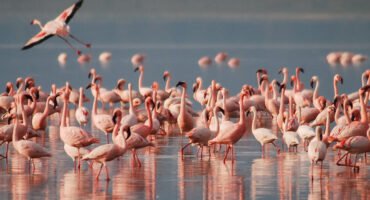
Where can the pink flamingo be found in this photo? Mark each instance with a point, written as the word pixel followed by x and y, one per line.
pixel 82 113
pixel 72 135
pixel 102 121
pixel 57 27
pixel 108 152
pixel 39 119
pixel 185 119
pixel 233 134
pixel 144 91
pixel 144 129
pixel 27 148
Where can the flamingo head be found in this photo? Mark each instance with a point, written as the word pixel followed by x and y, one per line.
pixel 283 70
pixel 356 115
pixel 140 68
pixel 263 78
pixel 35 91
pixel 166 74
pixel 35 22
pixel 9 86
pixel 92 73
pixel 182 84
pixel 120 84
pixel 136 102
pixel 338 77
pixel 155 85
pixel 117 113
pixel 292 80
pixel 18 82
pixel 261 71
pixel 313 80
pixel 195 87
pixel 299 69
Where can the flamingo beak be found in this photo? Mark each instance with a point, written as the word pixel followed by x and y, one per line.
pixel 341 80
pixel 301 69
pixel 311 83
pixel 180 83
pixel 89 75
pixel 88 86
pixel 136 69
pixel 280 71
pixel 7 89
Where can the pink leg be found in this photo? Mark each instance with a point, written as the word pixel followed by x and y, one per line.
pixel 183 148
pixel 277 149
pixel 107 172
pixel 341 158
pixel 101 167
pixel 227 152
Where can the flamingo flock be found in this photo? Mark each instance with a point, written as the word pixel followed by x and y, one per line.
pixel 135 119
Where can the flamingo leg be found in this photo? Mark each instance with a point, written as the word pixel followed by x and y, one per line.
pixel 137 160
pixel 201 152
pixel 227 152
pixel 341 158
pixel 97 176
pixel 70 45
pixel 209 152
pixel 355 167
pixel 312 163
pixel 232 154
pixel 183 148
pixel 107 172
pixel 74 164
pixel 277 149
pixel 79 41
pixel 33 165
pixel 79 158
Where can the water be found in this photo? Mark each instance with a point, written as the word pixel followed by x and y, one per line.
pixel 175 42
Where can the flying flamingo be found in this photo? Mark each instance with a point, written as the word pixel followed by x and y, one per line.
pixel 108 152
pixel 57 27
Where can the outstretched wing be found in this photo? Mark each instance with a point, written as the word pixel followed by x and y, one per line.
pixel 68 13
pixel 37 39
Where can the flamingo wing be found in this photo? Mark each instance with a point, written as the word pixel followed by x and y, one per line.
pixel 37 39
pixel 68 13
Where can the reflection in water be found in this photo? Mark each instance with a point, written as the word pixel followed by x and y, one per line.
pixel 164 175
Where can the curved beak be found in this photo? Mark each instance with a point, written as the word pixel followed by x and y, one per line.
pixel 89 75
pixel 311 83
pixel 180 83
pixel 136 69
pixel 88 86
pixel 301 69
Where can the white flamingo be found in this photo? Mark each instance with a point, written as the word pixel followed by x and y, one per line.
pixel 82 113
pixel 317 149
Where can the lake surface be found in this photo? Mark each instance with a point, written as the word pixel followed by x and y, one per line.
pixel 176 44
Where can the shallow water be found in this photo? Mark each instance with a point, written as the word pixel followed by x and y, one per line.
pixel 175 44
pixel 164 175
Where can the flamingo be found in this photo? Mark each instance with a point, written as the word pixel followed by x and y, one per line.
pixel 355 128
pixel 144 129
pixel 72 135
pixel 105 96
pixel 27 148
pixel 317 149
pixel 124 94
pixel 144 91
pixel 199 93
pixel 39 119
pixel 185 119
pixel 130 119
pixel 353 145
pixel 58 27
pixel 221 57
pixel 305 132
pixel 263 135
pixel 271 104
pixel 284 72
pixel 290 137
pixel 102 121
pixel 233 134
pixel 82 113
pixel 109 152
pixel 337 78
pixel 200 135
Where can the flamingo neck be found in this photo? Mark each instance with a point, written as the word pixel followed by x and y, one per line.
pixel 290 107
pixel 217 122
pixel 168 82
pixel 346 113
pixel 64 113
pixel 15 136
pixel 131 109
pixel 285 79
pixel 46 110
pixel 335 86
pixel 337 114
pixel 258 82
pixel 37 22
pixel 182 104
pixel 254 121
pixel 154 111
pixel 363 79
pixel 80 100
pixel 24 116
pixel 327 124
pixel 141 77
pixel 299 114
pixel 200 86
pixel 21 88
pixel 95 104
pixel 147 107
pixel 241 110
pixel 298 80
pixel 274 92
pixel 281 107
pixel 316 91
pixel 226 116
pixel 363 110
